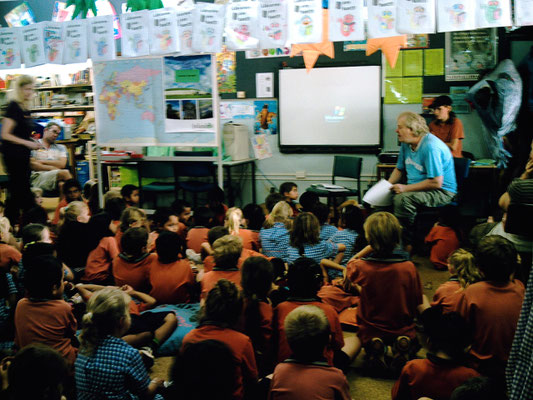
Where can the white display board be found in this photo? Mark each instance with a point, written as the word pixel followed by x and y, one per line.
pixel 330 107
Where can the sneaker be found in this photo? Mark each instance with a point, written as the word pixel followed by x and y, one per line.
pixel 401 349
pixel 375 364
pixel 147 355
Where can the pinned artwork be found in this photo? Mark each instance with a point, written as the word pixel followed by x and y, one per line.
pixel 382 19
pixel 305 21
pixel 493 13
pixel 456 15
pixel 346 20
pixel 53 42
pixel 135 34
pixel 32 44
pixel 101 39
pixel 208 27
pixel 163 31
pixel 185 18
pixel 9 48
pixel 416 17
pixel 241 28
pixel 272 23
pixel 523 12
pixel 75 39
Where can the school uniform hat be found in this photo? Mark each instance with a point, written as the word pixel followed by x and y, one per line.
pixel 441 101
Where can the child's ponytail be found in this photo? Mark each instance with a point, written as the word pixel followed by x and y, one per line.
pixel 71 213
pixel 233 220
pixel 463 263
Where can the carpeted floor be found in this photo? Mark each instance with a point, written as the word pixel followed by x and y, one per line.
pixel 361 387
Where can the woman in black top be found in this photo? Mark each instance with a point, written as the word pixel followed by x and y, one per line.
pixel 17 144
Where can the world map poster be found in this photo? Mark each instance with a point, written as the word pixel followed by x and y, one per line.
pixel 129 103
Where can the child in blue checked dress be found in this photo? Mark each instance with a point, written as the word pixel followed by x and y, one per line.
pixel 274 234
pixel 107 367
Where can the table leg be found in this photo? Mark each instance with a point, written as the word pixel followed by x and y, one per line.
pixel 254 196
pixel 231 197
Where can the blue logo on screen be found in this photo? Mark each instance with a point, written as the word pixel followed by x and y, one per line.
pixel 338 115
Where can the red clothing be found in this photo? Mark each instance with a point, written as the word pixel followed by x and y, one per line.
pixel 435 378
pixel 447 295
pixel 281 312
pixel 62 203
pixel 448 132
pixel 49 322
pixel 211 278
pixel 135 273
pixel 337 298
pixel 182 230
pixel 100 260
pixel 493 311
pixel 118 238
pixel 261 344
pixel 9 256
pixel 239 344
pixel 313 381
pixel 250 239
pixel 171 283
pixel 445 241
pixel 209 261
pixel 390 294
pixel 195 238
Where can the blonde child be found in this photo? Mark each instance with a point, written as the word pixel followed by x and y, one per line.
pixel 463 273
pixel 234 222
pixel 274 235
pixel 108 367
pixel 9 256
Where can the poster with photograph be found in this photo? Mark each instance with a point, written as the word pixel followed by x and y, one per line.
pixel 53 42
pixel 266 117
pixel 346 20
pixel 9 48
pixel 492 14
pixel 208 28
pixel 242 29
pixel 135 34
pixel 470 52
pixel 32 44
pixel 305 21
pixel 163 31
pixel 101 39
pixel 76 49
pixel 416 16
pixel 185 18
pixel 382 19
pixel 456 15
pixel 272 23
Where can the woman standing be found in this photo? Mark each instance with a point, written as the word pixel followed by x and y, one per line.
pixel 17 127
pixel 447 127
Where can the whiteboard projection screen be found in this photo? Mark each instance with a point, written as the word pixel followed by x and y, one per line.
pixel 330 109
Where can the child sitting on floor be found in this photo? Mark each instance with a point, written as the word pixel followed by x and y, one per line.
pixel 203 220
pixel 449 338
pixel 307 375
pixel 184 212
pixel 321 212
pixel 9 255
pixel 108 367
pixel 130 194
pixel 234 222
pixel 71 192
pixel 289 190
pixel 133 217
pixel 463 273
pixel 274 234
pixel 351 222
pixel 444 237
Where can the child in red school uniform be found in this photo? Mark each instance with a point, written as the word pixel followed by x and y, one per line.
pixel 72 192
pixel 132 265
pixel 307 375
pixel 226 252
pixel 493 306
pixel 436 377
pixel 289 191
pixel 104 250
pixel 444 237
pixel 390 292
pixel 43 316
pixel 203 220
pixel 114 207
pixel 9 255
pixel 254 218
pixel 130 194
pixel 234 222
pixel 217 206
pixel 222 310
pixel 463 273
pixel 184 212
pixel 133 217
pixel 256 281
pixel 171 277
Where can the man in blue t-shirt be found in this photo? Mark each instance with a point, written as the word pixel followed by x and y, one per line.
pixel 429 166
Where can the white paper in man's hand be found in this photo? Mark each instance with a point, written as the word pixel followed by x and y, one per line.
pixel 379 194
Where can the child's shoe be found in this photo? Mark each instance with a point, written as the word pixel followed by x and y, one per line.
pixel 401 350
pixel 375 364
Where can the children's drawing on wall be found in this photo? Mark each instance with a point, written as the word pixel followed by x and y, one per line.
pixel 346 20
pixel 266 117
pixel 382 19
pixel 305 21
pixel 456 15
pixel 493 13
pixel 416 17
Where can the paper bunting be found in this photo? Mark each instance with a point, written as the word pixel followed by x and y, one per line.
pixel 304 20
pixel 416 17
pixel 185 18
pixel 456 15
pixel 273 23
pixel 9 48
pixel 390 47
pixel 76 43
pixel 382 17
pixel 493 13
pixel 346 20
pixel 135 34
pixel 53 42
pixel 163 31
pixel 241 29
pixel 101 38
pixel 32 45
pixel 208 27
pixel 311 52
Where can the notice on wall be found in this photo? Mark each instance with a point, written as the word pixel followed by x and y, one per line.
pixel 9 48
pixel 32 44
pixel 135 34
pixel 413 61
pixel 264 84
pixel 101 39
pixel 76 49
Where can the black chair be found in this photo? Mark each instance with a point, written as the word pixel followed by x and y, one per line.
pixel 343 167
pixel 195 170
pixel 157 170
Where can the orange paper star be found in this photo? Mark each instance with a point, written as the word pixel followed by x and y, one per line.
pixel 311 52
pixel 390 46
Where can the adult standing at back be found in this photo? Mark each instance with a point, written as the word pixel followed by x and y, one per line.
pixel 17 127
pixel 446 126
pixel 430 171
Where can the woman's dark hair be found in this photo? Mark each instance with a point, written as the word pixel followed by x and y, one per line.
pixel 278 268
pixel 37 372
pixel 305 230
pixel 42 274
pixel 114 207
pixel 98 228
pixel 170 246
pixel 204 370
pixel 254 215
pixel 93 197
pixel 34 215
pixel 223 305
pixel 304 278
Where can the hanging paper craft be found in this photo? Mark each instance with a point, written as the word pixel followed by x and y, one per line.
pixel 53 42
pixel 101 41
pixel 104 7
pixel 456 15
pixel 208 27
pixel 346 20
pixel 523 12
pixel 32 45
pixel 135 33
pixel 241 29
pixel 382 19
pixel 272 23
pixel 185 17
pixel 416 16
pixel 163 31
pixel 305 21
pixel 9 48
pixel 493 13
pixel 75 50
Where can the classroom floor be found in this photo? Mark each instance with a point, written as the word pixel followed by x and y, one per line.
pixel 361 387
